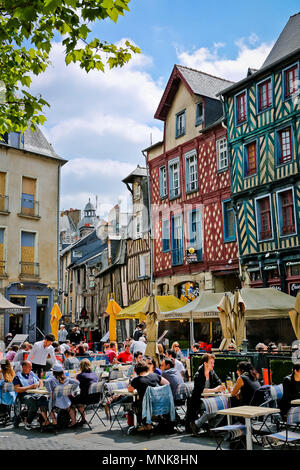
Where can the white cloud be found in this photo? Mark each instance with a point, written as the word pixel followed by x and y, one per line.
pixel 83 168
pixel 211 61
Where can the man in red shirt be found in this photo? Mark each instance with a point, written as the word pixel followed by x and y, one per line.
pixel 125 356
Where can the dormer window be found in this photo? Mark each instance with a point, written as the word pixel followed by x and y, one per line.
pixel 291 79
pixel 199 113
pixel 180 124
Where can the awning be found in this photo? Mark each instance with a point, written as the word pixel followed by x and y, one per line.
pixel 135 311
pixel 8 307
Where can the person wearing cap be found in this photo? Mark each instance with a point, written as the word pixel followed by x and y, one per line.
pixel 60 402
pixel 39 354
pixel 23 381
pixel 62 334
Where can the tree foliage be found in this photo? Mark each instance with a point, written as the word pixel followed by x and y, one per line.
pixel 27 31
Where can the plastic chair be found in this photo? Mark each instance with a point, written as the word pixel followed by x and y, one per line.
pixel 5 410
pixel 158 402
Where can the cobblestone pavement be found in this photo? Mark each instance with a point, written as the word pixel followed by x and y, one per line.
pixel 99 438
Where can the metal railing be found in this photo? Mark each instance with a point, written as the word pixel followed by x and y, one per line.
pixel 29 270
pixel 29 207
pixel 3 203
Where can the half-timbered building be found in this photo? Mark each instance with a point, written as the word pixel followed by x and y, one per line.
pixel 192 218
pixel 263 121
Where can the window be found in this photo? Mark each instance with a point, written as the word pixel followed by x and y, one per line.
pixel 144 265
pixel 2 252
pixel 264 221
pixel 174 178
pixel 180 124
pixel 250 159
pixel 285 201
pixel 241 107
pixel 165 235
pixel 195 234
pixel 28 196
pixel 290 78
pixel 3 197
pixel 265 95
pixel 228 221
pixel 163 181
pixel 222 158
pixel 199 113
pixel 191 171
pixel 177 240
pixel 138 226
pixel 285 148
pixel 28 265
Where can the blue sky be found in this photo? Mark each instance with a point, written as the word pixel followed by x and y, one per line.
pixel 101 122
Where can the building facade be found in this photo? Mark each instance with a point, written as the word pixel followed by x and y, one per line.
pixel 192 218
pixel 263 120
pixel 29 230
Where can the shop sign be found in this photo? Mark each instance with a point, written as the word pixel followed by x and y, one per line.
pixel 191 255
pixel 294 288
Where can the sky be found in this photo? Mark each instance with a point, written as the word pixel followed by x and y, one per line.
pixel 101 122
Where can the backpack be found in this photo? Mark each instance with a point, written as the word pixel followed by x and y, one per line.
pixel 63 419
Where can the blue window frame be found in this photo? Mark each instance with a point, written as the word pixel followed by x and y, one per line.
pixel 180 124
pixel 163 181
pixel 284 140
pixel 228 221
pixel 241 108
pixel 286 212
pixel 195 232
pixel 165 235
pixel 177 240
pixel 191 171
pixel 290 80
pixel 264 222
pixel 174 178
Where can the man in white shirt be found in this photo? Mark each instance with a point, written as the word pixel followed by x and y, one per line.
pixel 62 334
pixel 39 353
pixel 139 345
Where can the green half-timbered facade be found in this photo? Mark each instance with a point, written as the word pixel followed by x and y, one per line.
pixel 263 125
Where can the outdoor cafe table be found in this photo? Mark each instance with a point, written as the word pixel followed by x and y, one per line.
pixel 295 402
pixel 248 412
pixel 40 391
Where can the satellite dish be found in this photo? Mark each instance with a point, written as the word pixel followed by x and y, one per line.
pixel 296 351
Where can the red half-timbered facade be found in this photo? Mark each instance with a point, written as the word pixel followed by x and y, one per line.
pixel 194 246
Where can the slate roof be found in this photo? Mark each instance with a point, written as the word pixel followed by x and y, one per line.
pixel 203 83
pixel 139 171
pixel 36 142
pixel 287 42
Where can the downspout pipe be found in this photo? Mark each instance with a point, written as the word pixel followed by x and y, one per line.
pixel 57 235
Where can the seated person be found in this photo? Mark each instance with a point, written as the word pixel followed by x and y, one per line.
pixel 12 353
pixel 111 353
pixel 171 374
pixel 6 375
pixel 175 347
pixel 195 348
pixel 85 378
pixel 71 362
pixel 152 365
pixel 82 352
pixel 144 379
pixel 125 355
pixel 205 380
pixel 246 384
pixel 139 345
pixel 26 380
pixel 291 390
pixel 178 364
pixel 60 402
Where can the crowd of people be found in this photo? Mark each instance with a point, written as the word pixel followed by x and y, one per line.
pixel 27 367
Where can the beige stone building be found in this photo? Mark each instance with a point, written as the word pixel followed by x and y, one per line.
pixel 29 223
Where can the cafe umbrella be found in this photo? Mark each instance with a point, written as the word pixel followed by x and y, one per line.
pixel 54 320
pixel 152 310
pixel 238 318
pixel 225 315
pixel 113 308
pixel 295 316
